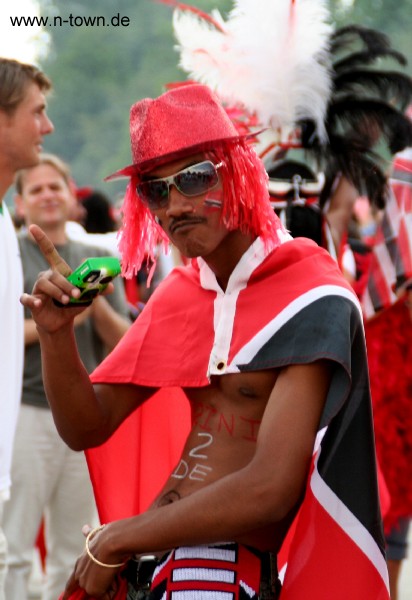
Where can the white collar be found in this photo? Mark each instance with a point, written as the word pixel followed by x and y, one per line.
pixel 251 259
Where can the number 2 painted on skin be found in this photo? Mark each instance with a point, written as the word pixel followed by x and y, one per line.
pixel 199 472
pixel 195 452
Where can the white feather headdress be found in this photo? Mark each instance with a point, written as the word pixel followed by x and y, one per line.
pixel 271 56
pixel 279 64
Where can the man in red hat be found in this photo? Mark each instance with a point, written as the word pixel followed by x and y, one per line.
pixel 265 339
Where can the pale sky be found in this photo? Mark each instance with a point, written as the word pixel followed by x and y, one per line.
pixel 25 43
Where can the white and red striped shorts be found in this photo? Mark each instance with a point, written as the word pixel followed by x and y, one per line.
pixel 227 571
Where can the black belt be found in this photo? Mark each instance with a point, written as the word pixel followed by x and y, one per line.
pixel 270 586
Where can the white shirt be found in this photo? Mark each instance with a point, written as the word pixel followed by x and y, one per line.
pixel 11 343
pixel 108 241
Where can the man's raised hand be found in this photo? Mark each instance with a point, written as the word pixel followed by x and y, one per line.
pixel 51 285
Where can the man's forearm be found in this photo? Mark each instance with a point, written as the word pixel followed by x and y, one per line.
pixel 69 391
pixel 235 508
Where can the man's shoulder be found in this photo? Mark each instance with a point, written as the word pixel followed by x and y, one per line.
pixel 300 254
pixel 22 236
pixel 87 250
pixel 24 241
pixel 300 248
pixel 301 266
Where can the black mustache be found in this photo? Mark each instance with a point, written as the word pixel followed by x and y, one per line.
pixel 184 221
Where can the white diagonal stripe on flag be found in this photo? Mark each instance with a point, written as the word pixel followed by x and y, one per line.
pixel 347 521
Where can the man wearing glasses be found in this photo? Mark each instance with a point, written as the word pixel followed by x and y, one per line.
pixel 265 338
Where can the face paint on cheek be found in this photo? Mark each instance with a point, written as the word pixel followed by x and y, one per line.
pixel 213 200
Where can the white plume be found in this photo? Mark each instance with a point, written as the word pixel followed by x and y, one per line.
pixel 271 57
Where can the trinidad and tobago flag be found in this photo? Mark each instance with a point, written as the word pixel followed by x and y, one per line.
pixel 391 261
pixel 290 306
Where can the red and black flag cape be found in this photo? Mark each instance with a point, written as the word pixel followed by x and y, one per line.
pixel 289 306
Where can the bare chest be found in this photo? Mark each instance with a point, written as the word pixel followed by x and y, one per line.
pixel 233 405
pixel 226 417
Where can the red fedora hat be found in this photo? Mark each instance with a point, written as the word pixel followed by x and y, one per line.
pixel 184 120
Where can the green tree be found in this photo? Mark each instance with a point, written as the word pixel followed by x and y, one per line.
pixel 99 72
pixel 388 16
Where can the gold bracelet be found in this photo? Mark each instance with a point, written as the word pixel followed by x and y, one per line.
pixel 91 533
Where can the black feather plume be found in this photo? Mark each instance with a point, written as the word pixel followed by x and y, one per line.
pixel 390 86
pixel 367 57
pixel 366 112
pixel 371 40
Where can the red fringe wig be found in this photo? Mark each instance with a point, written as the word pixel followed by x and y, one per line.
pixel 246 207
